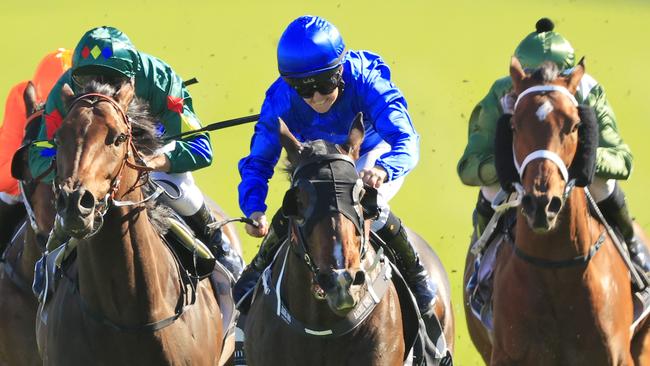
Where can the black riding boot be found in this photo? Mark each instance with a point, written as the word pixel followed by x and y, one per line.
pixel 484 213
pixel 616 212
pixel 214 239
pixel 10 217
pixel 417 277
pixel 252 273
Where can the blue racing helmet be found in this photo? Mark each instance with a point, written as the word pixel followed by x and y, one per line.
pixel 310 45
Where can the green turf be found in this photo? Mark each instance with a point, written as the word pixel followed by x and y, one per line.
pixel 444 57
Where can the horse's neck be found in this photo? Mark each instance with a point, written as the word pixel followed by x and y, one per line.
pixel 125 270
pixel 574 235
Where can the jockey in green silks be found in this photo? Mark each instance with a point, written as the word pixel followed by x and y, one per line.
pixel 106 55
pixel 613 157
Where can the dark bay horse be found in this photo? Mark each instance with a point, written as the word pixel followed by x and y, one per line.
pixel 18 304
pixel 125 300
pixel 562 291
pixel 327 299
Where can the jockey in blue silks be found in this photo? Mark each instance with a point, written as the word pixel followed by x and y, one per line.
pixel 322 86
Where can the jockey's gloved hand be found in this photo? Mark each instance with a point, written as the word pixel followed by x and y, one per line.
pixel 507 103
pixel 262 227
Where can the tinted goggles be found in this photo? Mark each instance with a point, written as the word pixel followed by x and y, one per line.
pixel 324 83
pixel 83 80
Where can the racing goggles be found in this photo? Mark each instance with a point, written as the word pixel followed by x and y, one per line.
pixel 115 80
pixel 324 83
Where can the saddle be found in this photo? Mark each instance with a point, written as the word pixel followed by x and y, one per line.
pixel 12 255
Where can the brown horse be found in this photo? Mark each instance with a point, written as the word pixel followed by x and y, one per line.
pixel 327 299
pixel 18 304
pixel 562 291
pixel 125 300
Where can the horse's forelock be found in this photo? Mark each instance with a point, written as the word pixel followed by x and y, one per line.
pixel 145 133
pixel 546 73
pixel 310 149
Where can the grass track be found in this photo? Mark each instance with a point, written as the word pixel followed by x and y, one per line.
pixel 444 57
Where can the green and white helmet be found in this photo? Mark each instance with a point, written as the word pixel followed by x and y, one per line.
pixel 545 45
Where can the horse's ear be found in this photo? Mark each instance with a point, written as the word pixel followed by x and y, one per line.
pixel 29 96
pixel 125 95
pixel 517 74
pixel 67 95
pixel 355 137
pixel 576 75
pixel 289 142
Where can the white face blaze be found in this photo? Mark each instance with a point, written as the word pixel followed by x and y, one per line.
pixel 338 254
pixel 544 110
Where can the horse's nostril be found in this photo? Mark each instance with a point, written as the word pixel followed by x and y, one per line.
pixel 60 201
pixel 359 278
pixel 555 205
pixel 325 281
pixel 527 203
pixel 87 201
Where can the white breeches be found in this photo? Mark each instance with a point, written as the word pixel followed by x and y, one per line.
pixel 188 198
pixel 387 190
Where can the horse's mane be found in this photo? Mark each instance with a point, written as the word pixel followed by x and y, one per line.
pixel 146 139
pixel 546 73
pixel 310 149
pixel 144 127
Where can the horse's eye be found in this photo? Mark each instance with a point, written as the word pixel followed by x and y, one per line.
pixel 120 139
pixel 575 127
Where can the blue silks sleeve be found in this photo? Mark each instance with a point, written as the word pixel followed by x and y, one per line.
pixel 388 109
pixel 257 168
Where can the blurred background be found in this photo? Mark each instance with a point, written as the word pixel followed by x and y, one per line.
pixel 444 57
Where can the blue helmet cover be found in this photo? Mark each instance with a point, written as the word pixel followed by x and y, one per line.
pixel 309 46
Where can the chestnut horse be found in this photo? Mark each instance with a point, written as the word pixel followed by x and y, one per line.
pixel 18 304
pixel 562 291
pixel 328 298
pixel 125 300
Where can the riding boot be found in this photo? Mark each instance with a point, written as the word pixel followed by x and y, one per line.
pixel 10 217
pixel 616 212
pixel 484 213
pixel 215 240
pixel 270 244
pixel 417 277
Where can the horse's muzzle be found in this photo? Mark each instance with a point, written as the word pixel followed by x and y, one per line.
pixel 541 211
pixel 76 207
pixel 342 288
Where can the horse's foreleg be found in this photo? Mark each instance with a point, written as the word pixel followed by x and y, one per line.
pixel 640 346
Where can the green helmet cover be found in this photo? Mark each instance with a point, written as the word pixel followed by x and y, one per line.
pixel 105 50
pixel 545 45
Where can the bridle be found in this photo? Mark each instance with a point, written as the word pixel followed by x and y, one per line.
pixel 102 206
pixel 298 224
pixel 544 154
